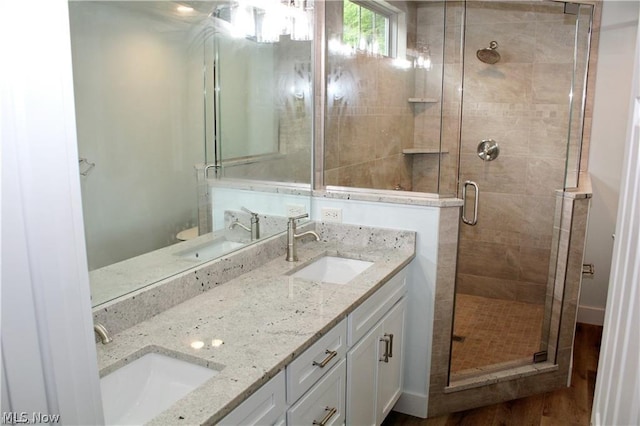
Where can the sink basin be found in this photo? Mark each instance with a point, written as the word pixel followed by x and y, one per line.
pixel 142 389
pixel 210 249
pixel 332 269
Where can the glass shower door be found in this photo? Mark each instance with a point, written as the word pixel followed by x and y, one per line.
pixel 520 78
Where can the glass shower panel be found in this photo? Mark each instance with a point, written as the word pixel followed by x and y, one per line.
pixel 513 144
pixel 438 85
pixel 578 96
pixel 450 133
pixel 375 102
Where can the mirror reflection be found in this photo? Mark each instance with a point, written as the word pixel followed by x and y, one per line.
pixel 173 100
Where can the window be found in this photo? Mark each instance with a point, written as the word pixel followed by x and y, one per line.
pixel 367 28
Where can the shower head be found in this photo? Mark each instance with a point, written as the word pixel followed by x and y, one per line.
pixel 489 55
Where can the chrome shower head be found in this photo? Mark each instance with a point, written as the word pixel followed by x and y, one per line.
pixel 489 55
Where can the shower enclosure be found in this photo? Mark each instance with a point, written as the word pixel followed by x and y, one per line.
pixel 520 137
pixel 486 105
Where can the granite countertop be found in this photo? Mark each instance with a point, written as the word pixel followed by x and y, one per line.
pixel 254 325
pixel 112 281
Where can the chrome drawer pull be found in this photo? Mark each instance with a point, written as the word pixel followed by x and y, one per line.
pixel 331 355
pixel 386 340
pixel 331 412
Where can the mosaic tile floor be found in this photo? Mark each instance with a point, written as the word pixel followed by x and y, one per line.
pixel 494 331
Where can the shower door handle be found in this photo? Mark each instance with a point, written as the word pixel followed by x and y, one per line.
pixel 473 221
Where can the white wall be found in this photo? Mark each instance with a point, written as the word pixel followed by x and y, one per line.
pixel 617 392
pixel 263 203
pixel 48 353
pixel 613 85
pixel 421 283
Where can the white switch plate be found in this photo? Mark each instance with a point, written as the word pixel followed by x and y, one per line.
pixel 295 209
pixel 331 214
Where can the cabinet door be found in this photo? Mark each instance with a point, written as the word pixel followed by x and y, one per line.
pixel 324 403
pixel 390 370
pixel 362 368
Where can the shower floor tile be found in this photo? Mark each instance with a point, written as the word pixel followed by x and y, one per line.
pixel 494 331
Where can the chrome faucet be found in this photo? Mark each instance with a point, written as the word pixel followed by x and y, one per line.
pixel 102 333
pixel 292 256
pixel 255 224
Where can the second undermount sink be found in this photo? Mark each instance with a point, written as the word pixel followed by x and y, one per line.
pixel 210 249
pixel 142 389
pixel 333 269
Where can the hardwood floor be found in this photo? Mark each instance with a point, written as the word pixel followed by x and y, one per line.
pixel 563 407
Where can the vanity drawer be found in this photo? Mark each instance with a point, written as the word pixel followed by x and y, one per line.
pixel 325 401
pixel 313 363
pixel 375 307
pixel 265 407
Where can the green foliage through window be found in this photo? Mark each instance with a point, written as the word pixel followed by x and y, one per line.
pixel 365 29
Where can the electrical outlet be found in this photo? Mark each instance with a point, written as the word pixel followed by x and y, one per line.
pixel 295 209
pixel 331 215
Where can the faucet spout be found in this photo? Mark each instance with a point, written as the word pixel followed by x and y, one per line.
pixel 292 255
pixel 317 237
pixel 255 225
pixel 102 333
pixel 238 223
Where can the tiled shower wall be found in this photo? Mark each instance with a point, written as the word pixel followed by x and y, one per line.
pixel 369 119
pixel 522 102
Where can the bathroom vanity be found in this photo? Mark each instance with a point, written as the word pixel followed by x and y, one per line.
pixel 286 348
pixel 352 374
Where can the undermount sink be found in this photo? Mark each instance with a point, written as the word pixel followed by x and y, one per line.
pixel 142 389
pixel 333 269
pixel 210 249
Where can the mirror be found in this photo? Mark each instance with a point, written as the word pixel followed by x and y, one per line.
pixel 163 89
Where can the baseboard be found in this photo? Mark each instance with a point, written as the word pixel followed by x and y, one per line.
pixel 413 404
pixel 590 315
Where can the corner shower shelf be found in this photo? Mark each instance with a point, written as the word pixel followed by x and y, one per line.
pixel 423 100
pixel 412 151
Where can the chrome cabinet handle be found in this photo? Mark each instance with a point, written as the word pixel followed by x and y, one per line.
pixel 387 341
pixel 325 419
pixel 473 221
pixel 324 362
pixel 390 336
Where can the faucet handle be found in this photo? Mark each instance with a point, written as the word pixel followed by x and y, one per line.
pixel 302 216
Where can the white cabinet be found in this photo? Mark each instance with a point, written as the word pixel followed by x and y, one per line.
pixel 390 368
pixel 266 406
pixel 374 363
pixel 367 315
pixel 324 404
pixel 362 367
pixel 313 363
